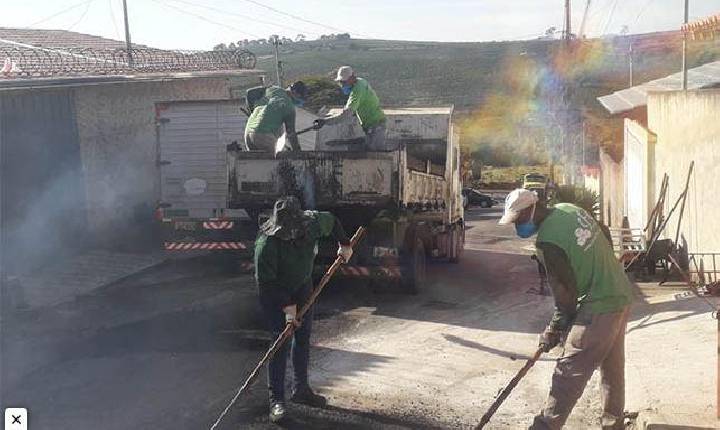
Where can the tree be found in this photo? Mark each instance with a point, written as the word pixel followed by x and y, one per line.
pixel 219 47
pixel 300 38
pixel 549 33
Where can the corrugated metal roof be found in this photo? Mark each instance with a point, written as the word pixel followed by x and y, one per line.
pixel 707 75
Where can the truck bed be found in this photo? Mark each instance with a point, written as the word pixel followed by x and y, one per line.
pixel 331 179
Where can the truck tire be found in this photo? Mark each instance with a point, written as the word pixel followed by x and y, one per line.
pixel 458 243
pixel 414 269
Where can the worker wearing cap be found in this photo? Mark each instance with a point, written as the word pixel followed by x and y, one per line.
pixel 365 104
pixel 285 251
pixel 273 108
pixel 592 299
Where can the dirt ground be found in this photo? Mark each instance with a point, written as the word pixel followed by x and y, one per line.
pixel 167 348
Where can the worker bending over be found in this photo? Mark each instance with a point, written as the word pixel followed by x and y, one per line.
pixel 365 104
pixel 271 108
pixel 592 302
pixel 285 252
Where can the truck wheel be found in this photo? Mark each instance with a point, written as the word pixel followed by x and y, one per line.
pixel 414 269
pixel 458 235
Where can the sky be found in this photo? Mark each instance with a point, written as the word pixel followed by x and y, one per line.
pixel 201 24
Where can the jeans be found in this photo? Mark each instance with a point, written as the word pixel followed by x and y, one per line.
pixel 600 343
pixel 375 139
pixel 299 347
pixel 260 142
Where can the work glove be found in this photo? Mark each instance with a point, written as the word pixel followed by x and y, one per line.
pixel 318 123
pixel 549 339
pixel 345 252
pixel 291 315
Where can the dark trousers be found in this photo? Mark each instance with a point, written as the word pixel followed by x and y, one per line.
pixel 300 345
pixel 598 343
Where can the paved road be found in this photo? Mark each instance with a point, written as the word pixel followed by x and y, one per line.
pixel 167 348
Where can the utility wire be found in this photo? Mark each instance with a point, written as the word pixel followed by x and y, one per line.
pixel 610 17
pixel 644 8
pixel 112 17
pixel 82 17
pixel 67 9
pixel 252 18
pixel 299 18
pixel 206 19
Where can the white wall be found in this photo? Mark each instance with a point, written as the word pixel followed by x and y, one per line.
pixel 687 125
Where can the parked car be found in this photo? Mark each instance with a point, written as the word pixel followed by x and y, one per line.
pixel 476 198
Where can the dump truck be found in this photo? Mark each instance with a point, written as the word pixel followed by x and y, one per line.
pixel 409 197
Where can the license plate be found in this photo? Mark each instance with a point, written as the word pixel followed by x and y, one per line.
pixel 185 225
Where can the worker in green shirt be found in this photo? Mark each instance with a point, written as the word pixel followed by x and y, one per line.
pixel 285 252
pixel 365 104
pixel 271 108
pixel 592 297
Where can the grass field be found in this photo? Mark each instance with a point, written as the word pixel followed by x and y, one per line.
pixel 463 74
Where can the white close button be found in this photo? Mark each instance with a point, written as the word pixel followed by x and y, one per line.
pixel 16 419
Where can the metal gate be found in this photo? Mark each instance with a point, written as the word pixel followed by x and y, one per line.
pixel 43 193
pixel 192 140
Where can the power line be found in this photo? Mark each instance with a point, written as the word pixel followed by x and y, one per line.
pixel 642 11
pixel 82 17
pixel 224 12
pixel 112 17
pixel 67 9
pixel 203 18
pixel 610 17
pixel 299 18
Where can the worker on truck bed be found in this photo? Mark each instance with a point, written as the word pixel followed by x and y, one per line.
pixel 363 102
pixel 592 301
pixel 284 255
pixel 271 108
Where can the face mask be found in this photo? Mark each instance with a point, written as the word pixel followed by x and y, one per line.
pixel 346 89
pixel 527 229
pixel 299 102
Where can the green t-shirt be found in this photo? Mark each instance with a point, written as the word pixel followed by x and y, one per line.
pixel 365 103
pixel 600 279
pixel 288 264
pixel 271 112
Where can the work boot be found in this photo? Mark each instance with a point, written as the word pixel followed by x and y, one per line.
pixel 277 412
pixel 305 396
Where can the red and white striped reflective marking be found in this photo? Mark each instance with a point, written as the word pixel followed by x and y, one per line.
pixel 218 225
pixel 189 246
pixel 391 272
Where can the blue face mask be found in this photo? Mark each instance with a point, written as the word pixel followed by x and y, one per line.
pixel 299 102
pixel 527 229
pixel 346 89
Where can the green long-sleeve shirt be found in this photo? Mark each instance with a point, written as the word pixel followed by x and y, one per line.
pixel 282 267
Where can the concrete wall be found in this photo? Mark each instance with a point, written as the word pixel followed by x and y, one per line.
pixel 117 133
pixel 612 189
pixel 687 126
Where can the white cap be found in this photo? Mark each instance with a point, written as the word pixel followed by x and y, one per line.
pixel 517 201
pixel 344 73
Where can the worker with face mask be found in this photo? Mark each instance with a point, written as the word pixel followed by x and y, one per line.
pixel 285 252
pixel 592 297
pixel 365 104
pixel 272 108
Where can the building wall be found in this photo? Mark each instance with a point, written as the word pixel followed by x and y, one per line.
pixel 612 189
pixel 638 149
pixel 688 129
pixel 117 134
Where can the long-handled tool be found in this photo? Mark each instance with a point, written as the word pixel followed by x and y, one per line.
pixel 290 327
pixel 508 389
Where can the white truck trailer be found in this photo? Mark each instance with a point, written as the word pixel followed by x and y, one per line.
pixel 409 198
